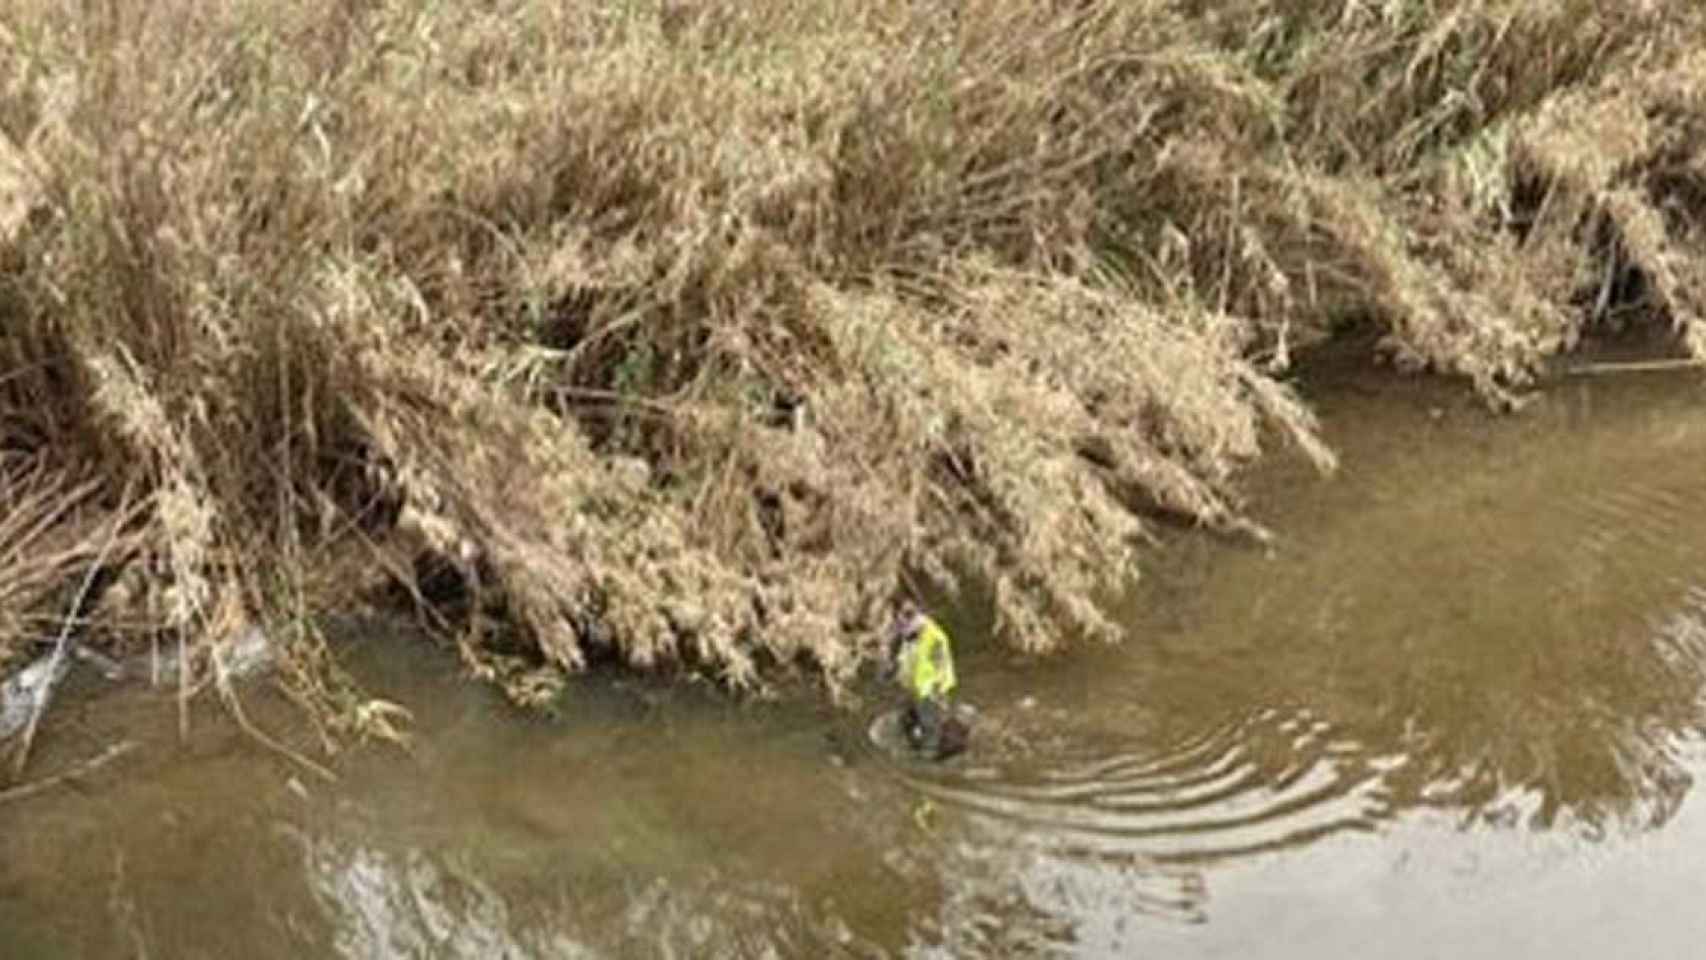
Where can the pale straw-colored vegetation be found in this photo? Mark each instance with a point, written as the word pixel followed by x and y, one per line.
pixel 679 333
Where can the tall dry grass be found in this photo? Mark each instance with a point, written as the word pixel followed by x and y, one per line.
pixel 680 332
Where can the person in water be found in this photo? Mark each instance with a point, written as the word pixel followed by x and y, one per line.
pixel 921 658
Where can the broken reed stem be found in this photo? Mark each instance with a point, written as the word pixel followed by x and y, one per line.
pixel 1635 366
pixel 21 756
pixel 236 707
pixel 34 787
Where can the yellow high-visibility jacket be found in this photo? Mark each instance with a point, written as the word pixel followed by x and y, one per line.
pixel 927 665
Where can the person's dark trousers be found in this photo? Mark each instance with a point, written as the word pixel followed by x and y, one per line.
pixel 924 720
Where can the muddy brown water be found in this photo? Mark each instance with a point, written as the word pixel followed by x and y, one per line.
pixel 1456 711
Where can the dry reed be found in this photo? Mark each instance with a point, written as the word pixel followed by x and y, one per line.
pixel 676 332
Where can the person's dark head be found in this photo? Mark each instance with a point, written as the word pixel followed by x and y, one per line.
pixel 908 621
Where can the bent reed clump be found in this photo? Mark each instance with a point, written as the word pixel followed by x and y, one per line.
pixel 676 332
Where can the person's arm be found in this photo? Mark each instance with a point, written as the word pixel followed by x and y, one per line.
pixel 941 653
pixel 896 651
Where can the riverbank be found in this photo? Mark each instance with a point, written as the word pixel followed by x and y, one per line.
pixel 1455 706
pixel 682 335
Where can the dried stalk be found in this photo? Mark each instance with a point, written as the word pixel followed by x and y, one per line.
pixel 82 769
pixel 62 642
pixel 1636 366
pixel 79 771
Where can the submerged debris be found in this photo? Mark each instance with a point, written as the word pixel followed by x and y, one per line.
pixel 28 691
pixel 248 653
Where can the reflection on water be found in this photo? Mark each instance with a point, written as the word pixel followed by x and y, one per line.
pixel 410 905
pixel 1460 700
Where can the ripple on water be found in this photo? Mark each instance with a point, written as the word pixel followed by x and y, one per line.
pixel 1632 535
pixel 1266 781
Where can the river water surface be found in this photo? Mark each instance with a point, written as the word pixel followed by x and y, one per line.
pixel 1455 710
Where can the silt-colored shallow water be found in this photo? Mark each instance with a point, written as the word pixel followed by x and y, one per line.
pixel 1454 711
